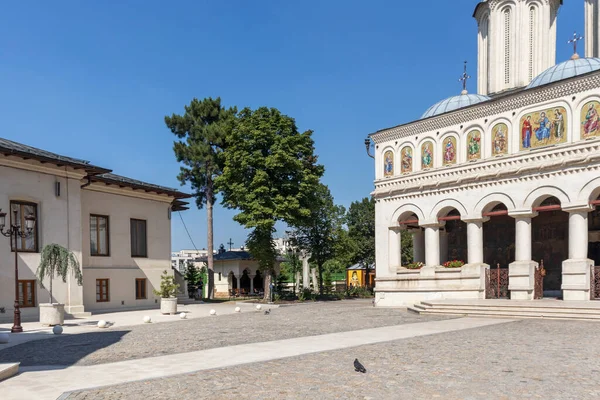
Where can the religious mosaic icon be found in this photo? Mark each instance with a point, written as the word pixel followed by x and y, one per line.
pixel 388 163
pixel 427 155
pixel 406 159
pixel 590 122
pixel 474 145
pixel 499 139
pixel 543 128
pixel 449 149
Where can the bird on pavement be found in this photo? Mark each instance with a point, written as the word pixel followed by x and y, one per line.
pixel 358 367
pixel 267 312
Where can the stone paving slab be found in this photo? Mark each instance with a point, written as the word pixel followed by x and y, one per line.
pixel 97 346
pixel 49 384
pixel 528 359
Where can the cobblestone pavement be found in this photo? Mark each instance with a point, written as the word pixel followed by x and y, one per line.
pixel 529 359
pixel 142 341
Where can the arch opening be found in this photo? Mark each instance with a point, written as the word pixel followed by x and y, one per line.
pixel 550 242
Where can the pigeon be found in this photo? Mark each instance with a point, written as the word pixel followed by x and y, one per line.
pixel 358 367
pixel 267 312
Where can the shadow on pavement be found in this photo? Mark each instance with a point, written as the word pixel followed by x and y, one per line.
pixel 63 350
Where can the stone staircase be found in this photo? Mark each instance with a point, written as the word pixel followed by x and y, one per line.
pixel 547 309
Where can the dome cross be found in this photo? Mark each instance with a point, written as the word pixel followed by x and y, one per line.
pixel 464 78
pixel 574 42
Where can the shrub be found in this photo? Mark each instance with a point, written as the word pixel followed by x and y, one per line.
pixel 168 287
pixel 453 264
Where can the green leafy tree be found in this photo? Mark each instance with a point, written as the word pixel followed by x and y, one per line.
pixel 202 131
pixel 407 247
pixel 270 174
pixel 317 233
pixel 57 261
pixel 192 277
pixel 361 229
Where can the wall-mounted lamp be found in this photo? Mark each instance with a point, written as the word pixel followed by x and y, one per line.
pixel 368 147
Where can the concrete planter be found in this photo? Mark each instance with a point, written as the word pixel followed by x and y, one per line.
pixel 52 314
pixel 168 305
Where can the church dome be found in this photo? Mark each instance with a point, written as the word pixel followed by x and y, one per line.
pixel 454 103
pixel 564 70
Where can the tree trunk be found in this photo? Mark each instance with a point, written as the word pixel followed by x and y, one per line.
pixel 51 289
pixel 268 281
pixel 320 269
pixel 209 222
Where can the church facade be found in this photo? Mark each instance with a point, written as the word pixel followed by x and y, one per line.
pixel 498 189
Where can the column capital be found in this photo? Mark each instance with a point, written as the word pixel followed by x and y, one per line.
pixel 432 225
pixel 396 229
pixel 578 207
pixel 519 214
pixel 473 219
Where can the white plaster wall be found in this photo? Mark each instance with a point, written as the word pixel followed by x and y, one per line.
pixel 120 267
pixel 59 221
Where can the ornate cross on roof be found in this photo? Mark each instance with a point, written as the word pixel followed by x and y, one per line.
pixel 574 41
pixel 463 78
pixel 230 243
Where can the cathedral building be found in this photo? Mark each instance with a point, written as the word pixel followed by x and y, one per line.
pixel 498 189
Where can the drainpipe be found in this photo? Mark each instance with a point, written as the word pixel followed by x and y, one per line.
pixel 89 182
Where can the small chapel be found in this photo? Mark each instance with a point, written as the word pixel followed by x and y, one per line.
pixel 500 188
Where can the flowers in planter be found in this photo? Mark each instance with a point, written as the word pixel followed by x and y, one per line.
pixel 414 265
pixel 454 264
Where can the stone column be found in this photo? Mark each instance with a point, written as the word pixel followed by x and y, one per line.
pixel 238 280
pixel 521 273
pixel 432 245
pixel 313 274
pixel 576 270
pixel 474 241
pixel 443 246
pixel 394 246
pixel 418 245
pixel 251 283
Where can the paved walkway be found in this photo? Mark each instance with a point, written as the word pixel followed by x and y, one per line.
pixel 45 383
pixel 37 331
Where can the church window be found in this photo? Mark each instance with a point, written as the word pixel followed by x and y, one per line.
pixel 507 26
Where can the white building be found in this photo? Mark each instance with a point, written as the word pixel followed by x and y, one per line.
pixel 506 178
pixel 118 228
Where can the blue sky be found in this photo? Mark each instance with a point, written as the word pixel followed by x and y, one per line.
pixel 94 80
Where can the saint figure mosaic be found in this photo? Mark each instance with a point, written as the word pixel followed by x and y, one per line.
pixel 590 122
pixel 474 145
pixel 499 139
pixel 449 150
pixel 543 128
pixel 406 159
pixel 388 163
pixel 427 155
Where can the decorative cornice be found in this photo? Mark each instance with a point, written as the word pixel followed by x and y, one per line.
pixel 36 166
pixel 559 160
pixel 490 108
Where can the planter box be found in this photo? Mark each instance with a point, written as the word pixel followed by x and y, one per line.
pixel 168 306
pixel 52 314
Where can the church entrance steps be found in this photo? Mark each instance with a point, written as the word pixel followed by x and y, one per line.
pixel 551 309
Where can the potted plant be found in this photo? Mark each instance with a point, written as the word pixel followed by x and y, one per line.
pixel 167 293
pixel 453 264
pixel 56 261
pixel 414 265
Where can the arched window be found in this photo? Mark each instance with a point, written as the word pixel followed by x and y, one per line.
pixel 507 43
pixel 532 39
